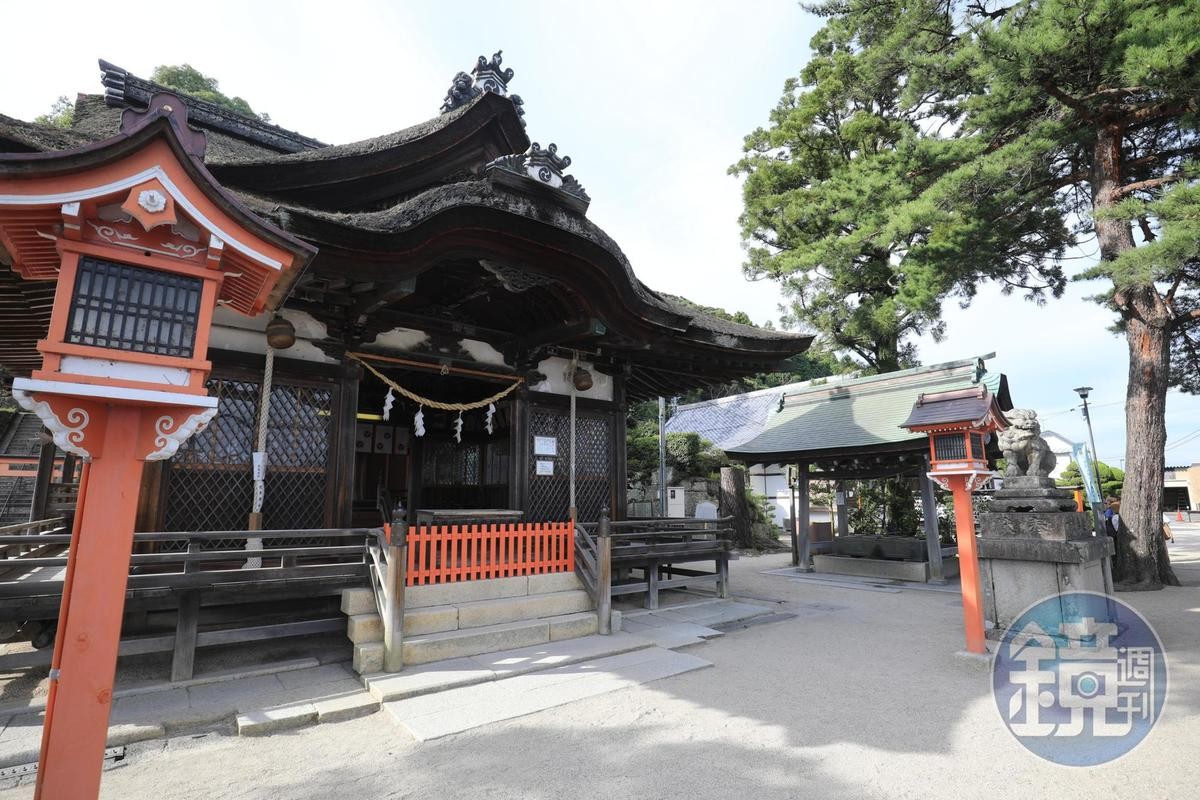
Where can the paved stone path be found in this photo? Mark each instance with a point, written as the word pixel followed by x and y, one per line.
pixel 303 692
pixel 433 716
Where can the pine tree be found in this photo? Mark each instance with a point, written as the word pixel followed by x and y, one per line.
pixel 1049 123
pixel 851 144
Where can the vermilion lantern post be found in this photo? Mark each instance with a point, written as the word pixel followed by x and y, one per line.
pixel 959 425
pixel 143 246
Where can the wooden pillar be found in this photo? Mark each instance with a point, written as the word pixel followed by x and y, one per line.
pixel 804 523
pixel 396 579
pixel 603 575
pixel 795 526
pixel 620 509
pixel 77 710
pixel 343 445
pixel 520 444
pixel 968 564
pixel 68 468
pixel 187 626
pixel 933 540
pixel 843 510
pixel 41 484
pixel 652 585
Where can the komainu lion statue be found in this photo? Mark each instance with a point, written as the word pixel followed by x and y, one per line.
pixel 1024 449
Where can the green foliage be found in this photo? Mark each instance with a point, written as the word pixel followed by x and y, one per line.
pixel 189 80
pixel 888 506
pixel 832 189
pixel 688 455
pixel 60 115
pixel 1111 478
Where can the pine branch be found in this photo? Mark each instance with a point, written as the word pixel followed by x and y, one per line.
pixel 1150 183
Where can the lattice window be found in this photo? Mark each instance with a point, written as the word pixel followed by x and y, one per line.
pixel 949 446
pixel 297 456
pixel 549 496
pixel 123 307
pixel 448 463
pixel 209 481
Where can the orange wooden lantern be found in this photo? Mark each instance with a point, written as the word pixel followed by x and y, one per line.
pixel 143 245
pixel 959 424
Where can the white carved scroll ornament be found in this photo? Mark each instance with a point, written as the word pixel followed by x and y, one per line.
pixel 167 441
pixel 67 435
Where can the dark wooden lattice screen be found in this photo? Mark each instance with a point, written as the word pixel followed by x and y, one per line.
pixel 209 481
pixel 549 496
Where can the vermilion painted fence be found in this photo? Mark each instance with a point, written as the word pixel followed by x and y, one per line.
pixel 451 553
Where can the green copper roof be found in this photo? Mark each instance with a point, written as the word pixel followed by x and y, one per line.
pixel 860 415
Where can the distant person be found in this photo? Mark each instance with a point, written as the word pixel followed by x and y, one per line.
pixel 1112 526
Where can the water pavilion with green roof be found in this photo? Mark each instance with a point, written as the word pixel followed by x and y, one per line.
pixel 850 430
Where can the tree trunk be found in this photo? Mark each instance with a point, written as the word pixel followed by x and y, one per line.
pixel 1146 565
pixel 733 504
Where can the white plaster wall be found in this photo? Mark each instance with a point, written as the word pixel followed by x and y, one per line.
pixel 771 480
pixel 234 331
pixel 558 381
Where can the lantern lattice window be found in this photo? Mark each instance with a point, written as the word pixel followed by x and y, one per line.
pixel 949 446
pixel 122 307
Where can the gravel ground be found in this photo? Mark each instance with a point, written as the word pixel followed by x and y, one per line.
pixel 859 695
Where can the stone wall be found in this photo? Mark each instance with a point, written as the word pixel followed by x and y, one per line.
pixel 643 498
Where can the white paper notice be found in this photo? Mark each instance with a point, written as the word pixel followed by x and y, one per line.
pixel 545 446
pixel 545 467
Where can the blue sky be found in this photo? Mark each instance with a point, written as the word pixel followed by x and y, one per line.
pixel 650 100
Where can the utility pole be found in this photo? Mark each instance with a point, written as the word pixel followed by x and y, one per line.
pixel 1097 508
pixel 1083 392
pixel 662 456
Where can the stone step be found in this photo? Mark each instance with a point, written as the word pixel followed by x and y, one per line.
pixel 479 613
pixel 359 600
pixel 427 648
pixel 447 594
pixel 361 628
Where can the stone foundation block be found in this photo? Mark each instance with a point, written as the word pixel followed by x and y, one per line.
pixel 364 628
pixel 358 601
pixel 368 657
pixel 572 626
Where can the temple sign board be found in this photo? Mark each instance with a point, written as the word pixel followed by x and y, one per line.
pixel 143 246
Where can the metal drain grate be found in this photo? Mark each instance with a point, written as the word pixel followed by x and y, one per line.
pixel 114 754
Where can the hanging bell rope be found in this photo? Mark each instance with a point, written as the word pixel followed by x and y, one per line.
pixel 437 404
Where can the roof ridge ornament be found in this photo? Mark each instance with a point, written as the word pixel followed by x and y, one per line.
pixel 490 77
pixel 122 89
pixel 486 76
pixel 544 168
pixel 172 107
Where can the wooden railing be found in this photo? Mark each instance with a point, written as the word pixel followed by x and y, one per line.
pixel 451 553
pixel 608 553
pixel 31 584
pixel 198 567
pixel 13 547
pixel 593 565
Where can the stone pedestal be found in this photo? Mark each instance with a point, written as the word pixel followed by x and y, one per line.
pixel 1033 544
